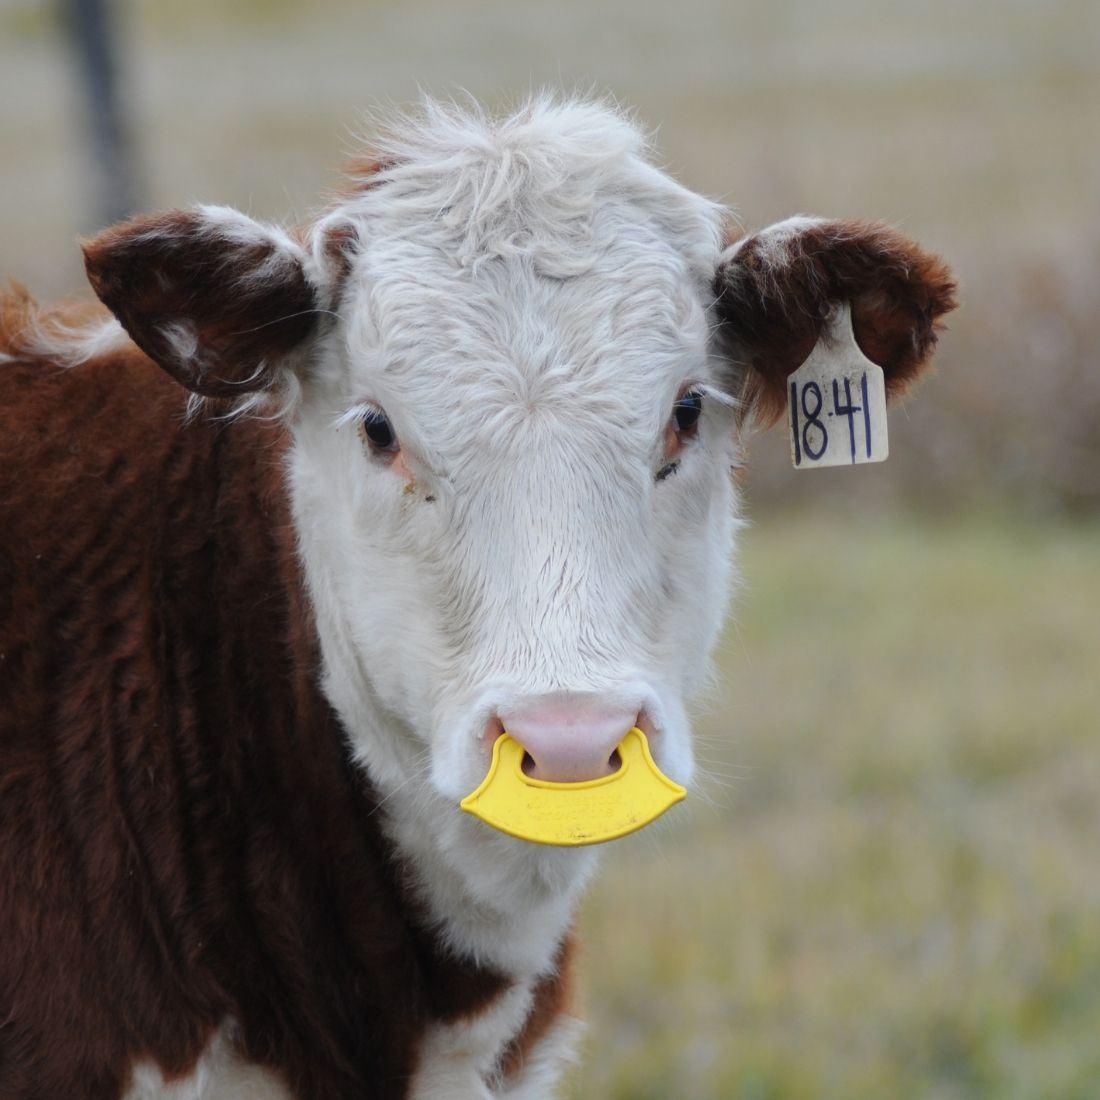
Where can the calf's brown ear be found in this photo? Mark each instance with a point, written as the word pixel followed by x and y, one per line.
pixel 220 301
pixel 775 288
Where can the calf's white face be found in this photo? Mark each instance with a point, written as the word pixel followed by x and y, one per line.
pixel 511 357
pixel 512 457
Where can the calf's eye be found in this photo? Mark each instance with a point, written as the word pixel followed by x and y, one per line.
pixel 681 426
pixel 686 412
pixel 378 432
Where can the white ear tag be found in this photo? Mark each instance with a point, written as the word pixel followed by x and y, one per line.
pixel 836 401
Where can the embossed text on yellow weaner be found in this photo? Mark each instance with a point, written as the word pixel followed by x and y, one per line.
pixel 572 814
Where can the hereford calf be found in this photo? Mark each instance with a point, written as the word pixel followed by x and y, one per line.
pixel 293 534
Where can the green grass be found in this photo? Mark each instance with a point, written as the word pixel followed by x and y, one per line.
pixel 890 886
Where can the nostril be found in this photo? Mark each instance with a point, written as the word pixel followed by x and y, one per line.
pixel 568 737
pixel 530 767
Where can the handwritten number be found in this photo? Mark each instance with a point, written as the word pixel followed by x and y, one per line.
pixel 794 424
pixel 812 421
pixel 808 412
pixel 848 409
pixel 866 413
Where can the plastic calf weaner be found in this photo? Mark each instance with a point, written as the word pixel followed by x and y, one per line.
pixel 572 814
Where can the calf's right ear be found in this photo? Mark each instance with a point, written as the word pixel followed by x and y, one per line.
pixel 775 288
pixel 223 303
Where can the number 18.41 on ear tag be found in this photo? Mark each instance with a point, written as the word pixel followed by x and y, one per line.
pixel 836 401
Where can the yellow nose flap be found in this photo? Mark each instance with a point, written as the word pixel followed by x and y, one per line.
pixel 572 814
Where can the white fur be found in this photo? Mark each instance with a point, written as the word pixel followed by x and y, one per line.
pixel 460 1061
pixel 457 1060
pixel 540 1073
pixel 69 345
pixel 529 300
pixel 220 1074
pixel 182 339
pixel 774 242
pixel 231 225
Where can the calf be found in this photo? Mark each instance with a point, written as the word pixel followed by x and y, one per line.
pixel 300 525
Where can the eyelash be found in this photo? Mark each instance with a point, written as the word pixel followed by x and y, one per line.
pixel 376 431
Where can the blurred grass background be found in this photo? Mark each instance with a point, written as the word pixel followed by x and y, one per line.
pixel 890 884
pixel 893 887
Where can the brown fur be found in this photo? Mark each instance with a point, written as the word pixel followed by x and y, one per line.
pixel 183 837
pixel 361 174
pixel 176 268
pixel 772 312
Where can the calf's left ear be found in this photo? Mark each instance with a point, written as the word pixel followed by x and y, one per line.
pixel 221 302
pixel 775 288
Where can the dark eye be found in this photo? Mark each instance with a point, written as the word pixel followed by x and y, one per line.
pixel 378 431
pixel 686 412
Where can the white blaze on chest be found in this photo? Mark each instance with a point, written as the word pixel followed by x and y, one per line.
pixel 220 1074
pixel 836 401
pixel 456 1059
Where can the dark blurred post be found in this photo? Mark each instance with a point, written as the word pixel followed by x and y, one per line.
pixel 92 29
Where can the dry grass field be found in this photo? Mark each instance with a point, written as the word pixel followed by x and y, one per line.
pixel 889 887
